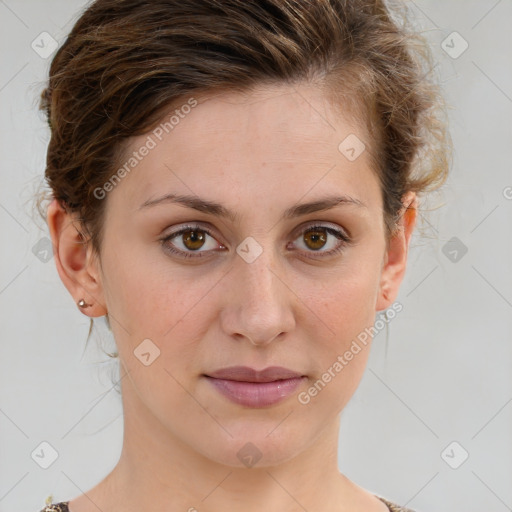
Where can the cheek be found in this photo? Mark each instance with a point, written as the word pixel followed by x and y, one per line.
pixel 141 290
pixel 153 299
pixel 345 312
pixel 347 341
pixel 346 304
pixel 133 300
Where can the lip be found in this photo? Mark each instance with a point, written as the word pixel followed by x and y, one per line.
pixel 255 388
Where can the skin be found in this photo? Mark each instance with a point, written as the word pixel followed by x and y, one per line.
pixel 257 154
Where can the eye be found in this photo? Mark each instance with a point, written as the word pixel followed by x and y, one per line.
pixel 190 239
pixel 316 239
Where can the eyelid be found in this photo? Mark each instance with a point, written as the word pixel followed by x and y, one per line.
pixel 344 240
pixel 323 225
pixel 189 227
pixel 333 229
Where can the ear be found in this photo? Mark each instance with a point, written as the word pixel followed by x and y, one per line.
pixel 76 264
pixel 395 259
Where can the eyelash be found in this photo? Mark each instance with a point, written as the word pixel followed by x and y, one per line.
pixel 340 235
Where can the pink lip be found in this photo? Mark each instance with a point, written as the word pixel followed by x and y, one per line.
pixel 253 388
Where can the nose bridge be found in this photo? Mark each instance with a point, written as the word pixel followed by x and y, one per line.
pixel 259 281
pixel 260 309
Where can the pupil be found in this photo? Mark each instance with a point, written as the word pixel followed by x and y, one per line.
pixel 315 237
pixel 193 237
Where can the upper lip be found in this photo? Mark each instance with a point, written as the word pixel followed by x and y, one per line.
pixel 247 374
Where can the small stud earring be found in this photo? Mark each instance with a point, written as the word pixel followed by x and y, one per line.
pixel 83 304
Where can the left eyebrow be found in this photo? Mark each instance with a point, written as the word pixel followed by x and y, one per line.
pixel 218 210
pixel 322 204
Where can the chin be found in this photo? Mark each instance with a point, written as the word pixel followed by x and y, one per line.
pixel 253 445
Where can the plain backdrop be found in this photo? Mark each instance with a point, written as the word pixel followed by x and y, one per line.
pixel 430 425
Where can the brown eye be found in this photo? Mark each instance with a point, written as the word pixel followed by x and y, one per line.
pixel 193 240
pixel 190 240
pixel 316 238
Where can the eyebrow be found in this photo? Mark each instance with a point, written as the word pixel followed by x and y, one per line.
pixel 218 210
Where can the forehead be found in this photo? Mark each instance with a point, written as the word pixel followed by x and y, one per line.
pixel 275 137
pixel 276 119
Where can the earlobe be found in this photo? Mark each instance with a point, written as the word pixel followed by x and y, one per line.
pixel 74 261
pixel 395 260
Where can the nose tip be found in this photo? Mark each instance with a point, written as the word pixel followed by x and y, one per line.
pixel 257 308
pixel 262 342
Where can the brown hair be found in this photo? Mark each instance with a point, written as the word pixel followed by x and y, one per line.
pixel 126 62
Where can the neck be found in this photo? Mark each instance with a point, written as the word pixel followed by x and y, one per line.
pixel 157 468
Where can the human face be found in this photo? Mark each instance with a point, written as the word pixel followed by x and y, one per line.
pixel 256 290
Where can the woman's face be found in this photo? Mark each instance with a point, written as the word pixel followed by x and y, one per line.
pixel 270 283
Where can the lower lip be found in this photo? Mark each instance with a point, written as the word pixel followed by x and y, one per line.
pixel 256 394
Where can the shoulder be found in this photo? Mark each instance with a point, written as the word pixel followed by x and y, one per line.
pixel 393 507
pixel 63 506
pixel 56 507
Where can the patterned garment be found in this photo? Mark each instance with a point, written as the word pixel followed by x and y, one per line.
pixel 63 506
pixel 393 507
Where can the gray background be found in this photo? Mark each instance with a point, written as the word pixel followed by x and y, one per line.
pixel 444 376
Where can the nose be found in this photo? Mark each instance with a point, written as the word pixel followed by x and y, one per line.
pixel 259 305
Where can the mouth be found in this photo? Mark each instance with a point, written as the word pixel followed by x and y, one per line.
pixel 252 388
